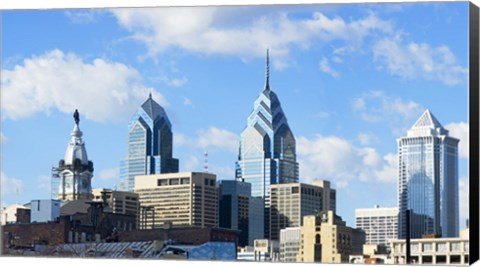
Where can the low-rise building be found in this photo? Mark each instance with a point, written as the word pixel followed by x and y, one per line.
pixel 44 210
pixel 118 201
pixel 326 238
pixel 185 198
pixel 443 251
pixel 289 244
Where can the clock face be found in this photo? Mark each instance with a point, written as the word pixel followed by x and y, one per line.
pixel 68 183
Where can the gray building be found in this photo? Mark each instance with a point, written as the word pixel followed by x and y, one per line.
pixel 238 210
pixel 289 203
pixel 428 179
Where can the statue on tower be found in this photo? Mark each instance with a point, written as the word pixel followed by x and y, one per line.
pixel 76 116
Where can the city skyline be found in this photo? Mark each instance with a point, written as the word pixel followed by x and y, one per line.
pixel 346 96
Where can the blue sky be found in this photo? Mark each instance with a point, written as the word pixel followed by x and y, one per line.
pixel 351 80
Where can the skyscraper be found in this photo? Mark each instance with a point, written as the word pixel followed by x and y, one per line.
pixel 238 210
pixel 75 170
pixel 428 179
pixel 149 144
pixel 267 147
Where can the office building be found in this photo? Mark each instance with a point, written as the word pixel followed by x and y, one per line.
pixel 238 210
pixel 326 238
pixel 117 201
pixel 185 198
pixel 289 244
pixel 267 148
pixel 443 251
pixel 289 203
pixel 150 145
pixel 380 224
pixel 428 179
pixel 75 170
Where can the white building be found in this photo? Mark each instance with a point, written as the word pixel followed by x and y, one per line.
pixel 9 214
pixel 428 179
pixel 442 251
pixel 75 170
pixel 379 224
pixel 44 210
pixel 289 244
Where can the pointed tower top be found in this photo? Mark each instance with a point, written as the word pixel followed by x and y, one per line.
pixel 427 120
pixel 427 125
pixel 267 85
pixel 150 95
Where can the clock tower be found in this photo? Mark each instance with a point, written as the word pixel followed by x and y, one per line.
pixel 75 170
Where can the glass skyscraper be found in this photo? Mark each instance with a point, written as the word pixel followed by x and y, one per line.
pixel 428 179
pixel 149 144
pixel 267 147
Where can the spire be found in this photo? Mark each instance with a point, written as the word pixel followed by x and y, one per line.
pixel 267 85
pixel 150 95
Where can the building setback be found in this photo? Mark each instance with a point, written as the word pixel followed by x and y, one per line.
pixel 289 203
pixel 428 179
pixel 326 238
pixel 238 210
pixel 185 198
pixel 267 148
pixel 150 145
pixel 379 224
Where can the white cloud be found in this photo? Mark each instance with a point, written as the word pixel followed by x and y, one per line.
pixel 109 174
pixel 460 130
pixel 338 159
pixel 212 138
pixel 83 16
pixel 325 67
pixel 419 60
pixel 209 30
pixel 10 185
pixel 187 101
pixel 173 82
pixel 341 185
pixel 463 200
pixel 376 106
pixel 366 138
pixel 323 114
pixel 389 171
pixel 65 82
pixel 192 163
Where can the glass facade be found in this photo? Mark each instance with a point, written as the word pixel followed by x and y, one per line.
pixel 149 145
pixel 428 179
pixel 267 147
pixel 238 210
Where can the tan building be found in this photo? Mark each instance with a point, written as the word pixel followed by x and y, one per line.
pixel 443 251
pixel 291 202
pixel 326 238
pixel 119 201
pixel 186 198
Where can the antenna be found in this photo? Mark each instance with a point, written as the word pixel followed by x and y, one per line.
pixel 206 161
